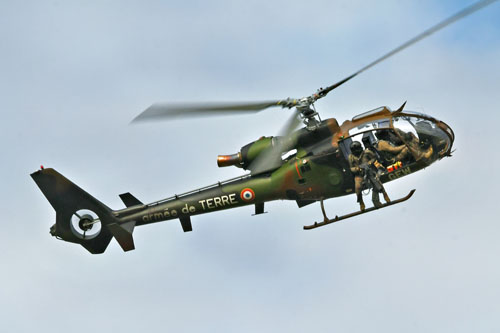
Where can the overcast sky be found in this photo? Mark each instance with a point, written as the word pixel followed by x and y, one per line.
pixel 74 73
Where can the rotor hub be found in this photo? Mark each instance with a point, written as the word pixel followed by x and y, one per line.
pixel 86 223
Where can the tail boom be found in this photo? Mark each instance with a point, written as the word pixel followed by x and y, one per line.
pixel 69 200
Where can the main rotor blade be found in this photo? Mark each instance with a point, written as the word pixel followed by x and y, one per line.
pixel 177 111
pixel 461 14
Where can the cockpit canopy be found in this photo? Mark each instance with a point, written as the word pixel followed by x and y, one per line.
pixel 400 136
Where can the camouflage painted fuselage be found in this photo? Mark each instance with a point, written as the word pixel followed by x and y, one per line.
pixel 315 168
pixel 318 170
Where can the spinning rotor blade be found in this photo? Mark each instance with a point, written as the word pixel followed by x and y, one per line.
pixel 271 159
pixel 461 14
pixel 291 124
pixel 179 111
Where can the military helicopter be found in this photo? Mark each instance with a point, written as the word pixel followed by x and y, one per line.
pixel 306 165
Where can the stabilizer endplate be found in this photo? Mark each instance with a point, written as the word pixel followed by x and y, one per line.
pixel 123 234
pixel 129 200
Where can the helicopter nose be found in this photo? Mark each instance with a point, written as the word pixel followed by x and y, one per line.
pixel 451 138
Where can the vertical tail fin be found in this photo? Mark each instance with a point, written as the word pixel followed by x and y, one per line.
pixel 81 218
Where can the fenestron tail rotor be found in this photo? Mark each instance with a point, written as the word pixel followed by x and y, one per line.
pixel 85 224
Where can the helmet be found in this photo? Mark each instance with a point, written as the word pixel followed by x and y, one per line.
pixel 382 134
pixel 366 141
pixel 356 148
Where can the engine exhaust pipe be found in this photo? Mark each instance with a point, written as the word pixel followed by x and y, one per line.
pixel 229 160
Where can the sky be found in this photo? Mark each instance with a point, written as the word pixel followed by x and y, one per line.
pixel 73 74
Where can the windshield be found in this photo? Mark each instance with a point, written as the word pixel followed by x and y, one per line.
pixel 371 125
pixel 425 140
pixel 418 114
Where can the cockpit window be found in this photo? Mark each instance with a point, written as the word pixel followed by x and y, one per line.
pixel 404 126
pixel 404 139
pixel 368 126
pixel 369 113
pixel 418 114
pixel 431 135
pixel 424 138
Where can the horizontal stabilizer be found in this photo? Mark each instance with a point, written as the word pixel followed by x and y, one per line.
pixel 129 200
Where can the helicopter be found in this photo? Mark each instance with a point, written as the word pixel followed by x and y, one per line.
pixel 307 165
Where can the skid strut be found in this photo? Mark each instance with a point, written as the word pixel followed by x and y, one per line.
pixel 340 218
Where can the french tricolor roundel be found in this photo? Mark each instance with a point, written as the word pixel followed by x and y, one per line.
pixel 247 194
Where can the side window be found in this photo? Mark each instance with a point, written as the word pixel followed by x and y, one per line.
pixel 344 147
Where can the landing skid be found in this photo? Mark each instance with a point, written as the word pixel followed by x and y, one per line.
pixel 339 218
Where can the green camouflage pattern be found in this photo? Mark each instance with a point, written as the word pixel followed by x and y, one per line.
pixel 317 169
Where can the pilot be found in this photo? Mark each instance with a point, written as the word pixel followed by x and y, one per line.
pixel 360 162
pixel 415 147
pixel 431 135
pixel 388 148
